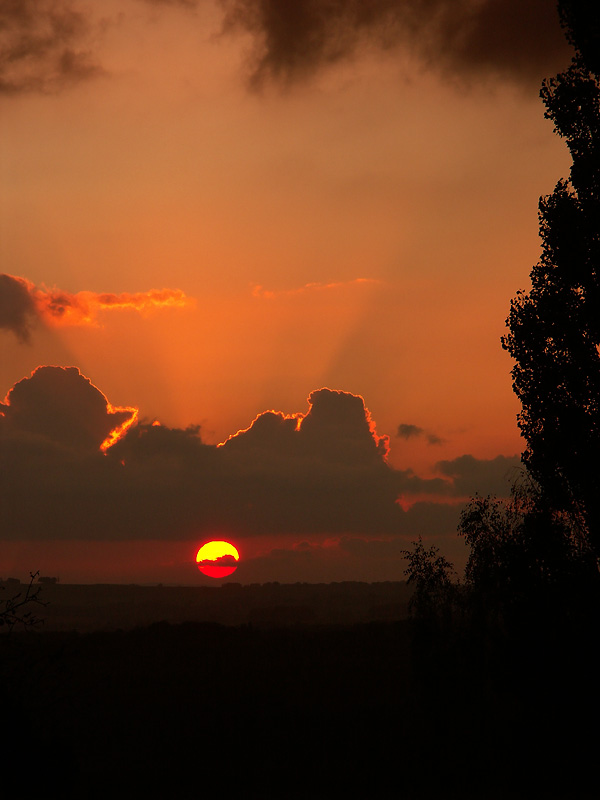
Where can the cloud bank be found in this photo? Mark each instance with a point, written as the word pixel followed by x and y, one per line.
pixel 22 304
pixel 76 467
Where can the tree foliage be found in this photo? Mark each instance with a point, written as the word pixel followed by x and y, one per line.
pixel 525 556
pixel 554 329
pixel 431 577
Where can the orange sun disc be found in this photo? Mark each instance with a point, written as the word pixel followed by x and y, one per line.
pixel 217 559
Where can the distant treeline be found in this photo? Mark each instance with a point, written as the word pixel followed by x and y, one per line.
pixel 112 606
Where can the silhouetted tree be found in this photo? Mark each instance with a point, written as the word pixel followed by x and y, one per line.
pixel 16 610
pixel 431 577
pixel 526 558
pixel 554 329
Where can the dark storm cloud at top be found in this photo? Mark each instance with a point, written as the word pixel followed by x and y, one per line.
pixel 48 45
pixel 519 40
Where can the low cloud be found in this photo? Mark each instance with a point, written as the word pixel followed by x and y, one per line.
pixel 322 471
pixel 355 557
pixel 470 475
pixel 76 467
pixel 518 40
pixel 345 558
pixel 22 304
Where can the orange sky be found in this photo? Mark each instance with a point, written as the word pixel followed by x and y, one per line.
pixel 360 226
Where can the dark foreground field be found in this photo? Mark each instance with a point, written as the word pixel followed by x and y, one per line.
pixel 372 709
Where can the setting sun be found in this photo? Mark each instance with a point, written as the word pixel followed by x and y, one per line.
pixel 217 559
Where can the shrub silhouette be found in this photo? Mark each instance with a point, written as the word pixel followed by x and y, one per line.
pixel 16 610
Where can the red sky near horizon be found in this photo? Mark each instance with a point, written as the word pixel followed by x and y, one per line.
pixel 209 231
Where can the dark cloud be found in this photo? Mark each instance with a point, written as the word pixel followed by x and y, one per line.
pixel 76 467
pixel 407 431
pixel 325 470
pixel 348 558
pixel 519 40
pixel 433 438
pixel 410 485
pixel 472 475
pixel 152 443
pixel 220 561
pixel 428 517
pixel 357 558
pixel 59 406
pixel 17 307
pixel 47 45
pixel 43 46
pixel 341 425
pixel 337 429
pixel 373 548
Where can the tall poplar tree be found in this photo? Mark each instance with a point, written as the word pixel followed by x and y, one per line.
pixel 554 329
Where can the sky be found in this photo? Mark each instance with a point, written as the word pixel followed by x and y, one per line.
pixel 256 260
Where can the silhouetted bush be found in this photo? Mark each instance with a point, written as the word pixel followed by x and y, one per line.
pixel 16 609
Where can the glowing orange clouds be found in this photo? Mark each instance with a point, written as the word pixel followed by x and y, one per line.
pixel 268 419
pixel 260 291
pixel 81 308
pixel 120 431
pixel 62 406
pixel 217 559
